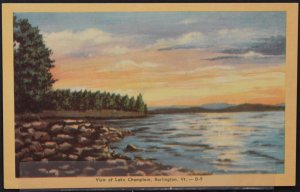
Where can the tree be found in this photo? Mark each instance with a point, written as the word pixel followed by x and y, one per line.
pixel 132 104
pixel 140 106
pixel 32 64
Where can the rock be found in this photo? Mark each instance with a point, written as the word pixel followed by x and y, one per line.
pixel 63 138
pixel 27 159
pixel 89 171
pixel 87 150
pixel 87 124
pixel 80 121
pixel 31 131
pixel 103 130
pixel 54 172
pixel 70 121
pixel 57 128
pixel 114 139
pixel 87 132
pixel 142 164
pixel 116 163
pixel 43 171
pixel 83 140
pixel 100 141
pixel 26 125
pixel 19 144
pixel 41 136
pixel 78 151
pixel 35 147
pixel 138 173
pixel 39 125
pixel 50 144
pixel 131 148
pixel 44 160
pixel 90 158
pixel 73 157
pixel 28 141
pixel 65 167
pixel 39 155
pixel 49 152
pixel 70 172
pixel 98 148
pixel 117 171
pixel 58 157
pixel 71 128
pixel 113 129
pixel 102 156
pixel 64 146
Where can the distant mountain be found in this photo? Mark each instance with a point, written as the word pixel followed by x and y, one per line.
pixel 216 106
pixel 231 108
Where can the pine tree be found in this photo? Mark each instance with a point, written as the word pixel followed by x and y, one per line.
pixel 32 64
pixel 140 103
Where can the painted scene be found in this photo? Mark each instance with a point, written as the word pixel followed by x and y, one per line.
pixel 149 93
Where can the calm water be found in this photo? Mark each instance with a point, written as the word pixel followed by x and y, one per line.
pixel 247 142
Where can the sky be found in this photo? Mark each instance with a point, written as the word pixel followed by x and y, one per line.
pixel 171 58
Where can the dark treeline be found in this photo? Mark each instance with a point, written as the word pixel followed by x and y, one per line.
pixel 88 100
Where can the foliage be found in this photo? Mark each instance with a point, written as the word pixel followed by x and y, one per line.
pixel 64 99
pixel 32 64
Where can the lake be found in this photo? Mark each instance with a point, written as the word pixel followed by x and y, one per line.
pixel 218 143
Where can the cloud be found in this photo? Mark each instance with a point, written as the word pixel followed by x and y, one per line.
pixel 126 65
pixel 187 21
pixel 116 50
pixel 237 33
pixel 78 43
pixel 274 45
pixel 184 40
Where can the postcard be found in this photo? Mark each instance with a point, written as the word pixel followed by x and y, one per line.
pixel 149 95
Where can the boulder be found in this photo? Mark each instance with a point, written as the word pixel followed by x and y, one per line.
pixel 83 140
pixel 65 146
pixel 26 125
pixel 41 136
pixel 88 171
pixel 39 125
pixel 103 130
pixel 73 157
pixel 27 159
pixel 117 171
pixel 19 144
pixel 70 121
pixel 63 138
pixel 50 144
pixel 71 128
pixel 53 172
pixel 49 152
pixel 116 163
pixel 131 148
pixel 100 141
pixel 90 158
pixel 35 147
pixel 57 128
pixel 138 173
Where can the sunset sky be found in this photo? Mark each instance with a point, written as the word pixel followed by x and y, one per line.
pixel 172 58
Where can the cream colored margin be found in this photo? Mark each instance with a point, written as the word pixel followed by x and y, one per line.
pixel 288 178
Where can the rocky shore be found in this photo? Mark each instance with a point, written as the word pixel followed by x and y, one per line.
pixel 78 147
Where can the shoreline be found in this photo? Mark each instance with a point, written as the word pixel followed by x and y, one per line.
pixel 68 147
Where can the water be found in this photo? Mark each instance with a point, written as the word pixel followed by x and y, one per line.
pixel 219 143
